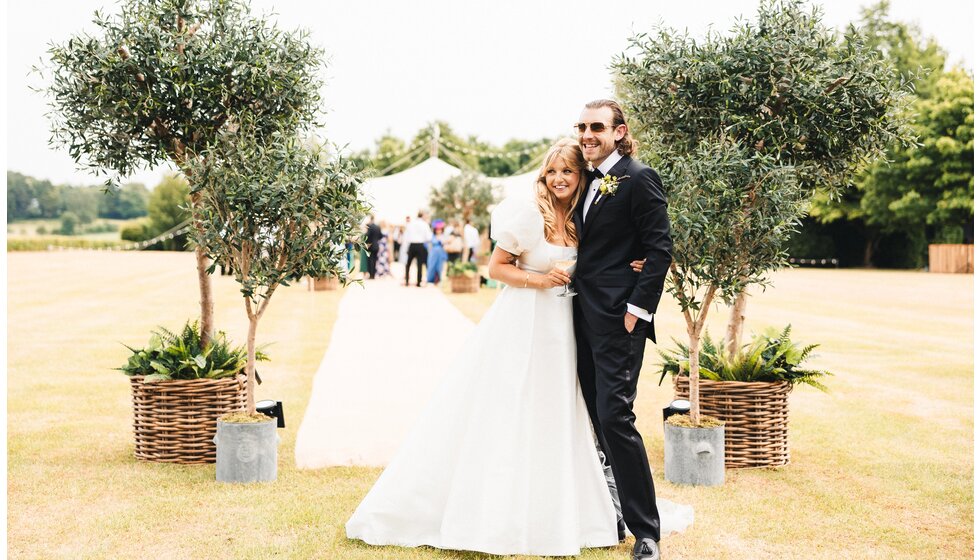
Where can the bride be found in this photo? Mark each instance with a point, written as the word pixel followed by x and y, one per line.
pixel 503 459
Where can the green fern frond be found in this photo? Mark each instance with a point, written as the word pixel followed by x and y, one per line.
pixel 768 356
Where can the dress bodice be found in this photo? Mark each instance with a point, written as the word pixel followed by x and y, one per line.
pixel 544 256
pixel 518 228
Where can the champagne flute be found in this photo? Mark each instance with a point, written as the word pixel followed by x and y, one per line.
pixel 567 265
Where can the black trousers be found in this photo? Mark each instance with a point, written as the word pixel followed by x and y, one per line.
pixel 372 264
pixel 418 253
pixel 608 369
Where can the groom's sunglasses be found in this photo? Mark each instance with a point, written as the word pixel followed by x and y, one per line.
pixel 595 127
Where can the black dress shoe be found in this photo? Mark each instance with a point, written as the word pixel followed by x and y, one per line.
pixel 621 530
pixel 646 549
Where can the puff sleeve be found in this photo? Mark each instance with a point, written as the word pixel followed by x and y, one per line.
pixel 516 225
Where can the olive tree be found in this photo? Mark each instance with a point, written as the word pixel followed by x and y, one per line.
pixel 716 221
pixel 800 104
pixel 465 197
pixel 274 207
pixel 159 80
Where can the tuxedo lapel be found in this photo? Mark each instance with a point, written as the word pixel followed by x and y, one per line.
pixel 577 216
pixel 617 171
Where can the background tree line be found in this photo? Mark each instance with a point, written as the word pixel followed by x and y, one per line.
pixel 29 198
pixel 77 207
pixel 920 194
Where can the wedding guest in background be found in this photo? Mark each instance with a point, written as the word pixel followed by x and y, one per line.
pixel 372 241
pixel 453 243
pixel 437 254
pixel 384 253
pixel 397 232
pixel 349 255
pixel 363 260
pixel 471 236
pixel 417 235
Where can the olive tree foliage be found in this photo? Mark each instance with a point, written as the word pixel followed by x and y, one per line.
pixel 718 224
pixel 159 80
pixel 465 197
pixel 274 208
pixel 784 89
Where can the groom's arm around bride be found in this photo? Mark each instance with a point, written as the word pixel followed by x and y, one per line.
pixel 649 216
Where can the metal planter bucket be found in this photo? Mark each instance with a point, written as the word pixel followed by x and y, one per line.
pixel 694 455
pixel 247 452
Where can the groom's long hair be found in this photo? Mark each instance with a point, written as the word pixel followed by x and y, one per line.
pixel 625 146
pixel 570 152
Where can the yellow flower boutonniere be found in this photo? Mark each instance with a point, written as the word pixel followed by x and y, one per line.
pixel 608 185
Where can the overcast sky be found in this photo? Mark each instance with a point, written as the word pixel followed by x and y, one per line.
pixel 498 70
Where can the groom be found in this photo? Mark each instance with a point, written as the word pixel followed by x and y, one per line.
pixel 622 217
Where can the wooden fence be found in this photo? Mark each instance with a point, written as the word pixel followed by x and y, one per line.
pixel 951 258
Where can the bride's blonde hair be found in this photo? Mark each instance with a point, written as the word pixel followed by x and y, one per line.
pixel 570 153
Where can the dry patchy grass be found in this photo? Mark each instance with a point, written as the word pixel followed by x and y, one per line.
pixel 881 467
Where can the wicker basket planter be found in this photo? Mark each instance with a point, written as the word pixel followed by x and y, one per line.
pixel 756 417
pixel 325 283
pixel 463 284
pixel 175 421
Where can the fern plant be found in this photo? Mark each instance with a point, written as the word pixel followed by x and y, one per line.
pixel 170 355
pixel 461 268
pixel 770 356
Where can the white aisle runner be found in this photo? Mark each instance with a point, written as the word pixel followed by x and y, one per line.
pixel 390 345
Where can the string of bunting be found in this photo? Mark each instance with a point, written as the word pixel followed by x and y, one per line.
pixel 462 149
pixel 139 246
pixel 484 154
pixel 415 145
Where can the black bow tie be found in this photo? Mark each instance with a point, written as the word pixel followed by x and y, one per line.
pixel 596 174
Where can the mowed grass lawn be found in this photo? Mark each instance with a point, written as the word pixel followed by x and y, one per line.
pixel 882 467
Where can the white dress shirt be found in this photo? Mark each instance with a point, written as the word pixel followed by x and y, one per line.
pixel 590 200
pixel 417 231
pixel 471 235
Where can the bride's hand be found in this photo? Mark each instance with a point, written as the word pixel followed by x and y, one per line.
pixel 555 278
pixel 637 266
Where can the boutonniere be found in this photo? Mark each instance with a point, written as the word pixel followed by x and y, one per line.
pixel 608 185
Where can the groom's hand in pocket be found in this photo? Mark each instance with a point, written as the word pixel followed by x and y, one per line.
pixel 630 322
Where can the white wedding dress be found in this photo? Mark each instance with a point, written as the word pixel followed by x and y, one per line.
pixel 503 459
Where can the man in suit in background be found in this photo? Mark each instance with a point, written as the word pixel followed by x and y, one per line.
pixel 373 240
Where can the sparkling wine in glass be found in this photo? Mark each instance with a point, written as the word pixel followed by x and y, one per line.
pixel 566 265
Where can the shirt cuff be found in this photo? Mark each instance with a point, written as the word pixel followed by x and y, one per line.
pixel 641 313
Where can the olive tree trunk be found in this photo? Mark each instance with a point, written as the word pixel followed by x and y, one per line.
pixel 695 328
pixel 253 325
pixel 736 324
pixel 203 278
pixel 254 314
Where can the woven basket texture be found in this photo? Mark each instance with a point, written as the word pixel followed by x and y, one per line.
pixel 175 421
pixel 756 417
pixel 464 284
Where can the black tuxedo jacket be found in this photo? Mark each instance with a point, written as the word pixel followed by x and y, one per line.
pixel 620 228
pixel 373 235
